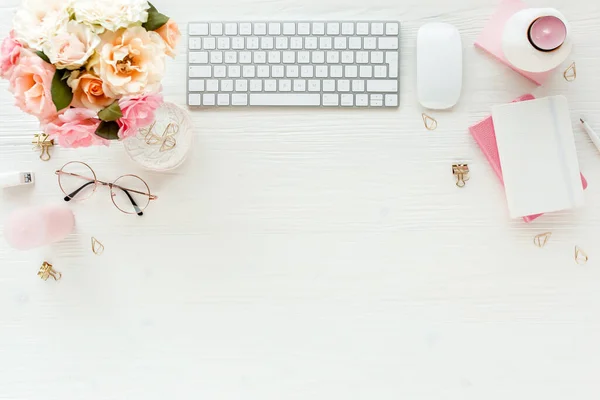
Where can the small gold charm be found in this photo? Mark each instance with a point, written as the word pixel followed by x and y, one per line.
pixel 580 257
pixel 430 123
pixel 97 247
pixel 570 73
pixel 541 239
pixel 46 271
pixel 42 143
pixel 461 172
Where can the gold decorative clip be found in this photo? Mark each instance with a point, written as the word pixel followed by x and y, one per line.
pixel 541 239
pixel 570 73
pixel 580 256
pixel 41 142
pixel 97 247
pixel 46 271
pixel 461 172
pixel 167 141
pixel 430 123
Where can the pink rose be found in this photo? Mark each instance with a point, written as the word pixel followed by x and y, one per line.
pixel 76 127
pixel 138 112
pixel 31 81
pixel 10 52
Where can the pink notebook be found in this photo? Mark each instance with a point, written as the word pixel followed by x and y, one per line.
pixel 490 38
pixel 485 135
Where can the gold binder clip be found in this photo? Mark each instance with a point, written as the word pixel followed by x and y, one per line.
pixel 461 172
pixel 43 143
pixel 580 256
pixel 97 247
pixel 541 239
pixel 430 122
pixel 46 271
pixel 570 73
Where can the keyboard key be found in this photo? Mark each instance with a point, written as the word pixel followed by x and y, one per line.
pixel 325 43
pixel 376 100
pixel 365 71
pixel 281 43
pixel 347 100
pixel 358 86
pixel 380 71
pixel 321 71
pixel 333 57
pixel 362 100
pixel 198 57
pixel 274 28
pixel 307 71
pixel 329 85
pixel 391 100
pixel 388 43
pixel 255 85
pixel 230 57
pixel 347 57
pixel 260 57
pixel 303 57
pixel 285 99
pixel 263 71
pixel 234 71
pixel 216 57
pixel 296 43
pixel 299 85
pixel 291 71
pixel 343 85
pixel 208 99
pixel 318 57
pixel 194 99
pixel 331 99
pixel 382 86
pixel 340 43
pixel 370 43
pixel 355 43
pixel 391 57
pixel 318 28
pixel 196 85
pixel 223 99
pixel 289 28
pixel 335 71
pixel 289 57
pixel 227 85
pixel 219 71
pixel 223 43
pixel 377 28
pixel 362 28
pixel 195 43
pixel 245 28
pixel 347 28
pixel 311 43
pixel 252 43
pixel 303 28
pixel 277 71
pixel 239 99
pixel 351 71
pixel 248 71
pixel 274 57
pixel 285 85
pixel 270 85
pixel 333 28
pixel 314 85
pixel 392 28
pixel 245 57
pixel 209 43
pixel 212 85
pixel 231 29
pixel 260 28
pixel 241 85
pixel 377 57
pixel 238 43
pixel 362 57
pixel 266 43
pixel 216 28
pixel 198 29
pixel 200 71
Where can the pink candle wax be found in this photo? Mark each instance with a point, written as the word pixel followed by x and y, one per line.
pixel 547 33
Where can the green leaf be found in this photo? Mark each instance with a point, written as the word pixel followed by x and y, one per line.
pixel 61 92
pixel 155 19
pixel 108 130
pixel 43 56
pixel 111 113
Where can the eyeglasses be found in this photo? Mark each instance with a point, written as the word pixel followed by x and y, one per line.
pixel 129 193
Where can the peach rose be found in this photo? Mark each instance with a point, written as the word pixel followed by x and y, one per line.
pixel 71 47
pixel 76 127
pixel 170 34
pixel 31 82
pixel 132 61
pixel 88 91
pixel 10 52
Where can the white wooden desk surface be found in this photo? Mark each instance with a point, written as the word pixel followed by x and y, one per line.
pixel 313 254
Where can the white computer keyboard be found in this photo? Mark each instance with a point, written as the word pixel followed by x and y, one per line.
pixel 329 63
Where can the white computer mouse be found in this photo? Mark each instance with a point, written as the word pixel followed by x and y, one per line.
pixel 439 66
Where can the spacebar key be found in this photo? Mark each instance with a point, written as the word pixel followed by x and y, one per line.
pixel 280 99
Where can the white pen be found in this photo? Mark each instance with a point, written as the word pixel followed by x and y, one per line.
pixel 593 135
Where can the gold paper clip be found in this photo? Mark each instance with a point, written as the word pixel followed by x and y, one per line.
pixel 570 73
pixel 97 247
pixel 461 172
pixel 580 256
pixel 430 122
pixel 541 239
pixel 46 271
pixel 167 141
pixel 41 142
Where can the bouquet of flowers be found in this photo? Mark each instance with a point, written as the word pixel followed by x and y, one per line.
pixel 89 70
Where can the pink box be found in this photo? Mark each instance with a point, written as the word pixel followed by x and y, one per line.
pixel 490 39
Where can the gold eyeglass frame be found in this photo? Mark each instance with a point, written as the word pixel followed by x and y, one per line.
pixel 111 185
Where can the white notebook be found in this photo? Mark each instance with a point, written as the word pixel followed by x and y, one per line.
pixel 538 156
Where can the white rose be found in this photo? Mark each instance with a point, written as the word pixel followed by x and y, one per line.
pixel 131 61
pixel 71 47
pixel 111 15
pixel 38 20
